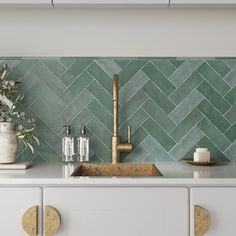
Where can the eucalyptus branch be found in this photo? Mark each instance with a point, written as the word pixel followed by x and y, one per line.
pixel 9 101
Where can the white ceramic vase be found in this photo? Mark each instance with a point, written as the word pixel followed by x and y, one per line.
pixel 8 143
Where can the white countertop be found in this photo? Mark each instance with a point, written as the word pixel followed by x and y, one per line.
pixel 174 174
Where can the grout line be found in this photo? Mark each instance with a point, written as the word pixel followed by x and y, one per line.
pixel 157 68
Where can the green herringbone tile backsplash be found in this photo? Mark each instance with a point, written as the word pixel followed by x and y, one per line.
pixel 173 105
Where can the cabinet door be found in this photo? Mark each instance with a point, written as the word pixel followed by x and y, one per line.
pixel 116 211
pixel 221 206
pixel 14 202
pixel 110 2
pixel 202 2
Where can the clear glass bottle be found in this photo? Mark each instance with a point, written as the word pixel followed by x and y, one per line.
pixel 68 146
pixel 83 146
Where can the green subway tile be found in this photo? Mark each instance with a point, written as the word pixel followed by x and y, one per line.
pixel 231 63
pixel 186 106
pixel 101 131
pixel 130 70
pixel 48 97
pixel 50 136
pixel 149 159
pixel 155 149
pixel 213 115
pixel 216 154
pixel 231 133
pixel 184 71
pixel 100 149
pixel 132 87
pixel 186 88
pixel 101 113
pixel 163 104
pixel 54 66
pixel 101 76
pixel 135 121
pixel 67 78
pixel 75 70
pixel 67 61
pixel 122 62
pixel 220 67
pixel 213 79
pixel 231 114
pixel 10 64
pixel 132 105
pixel 231 151
pixel 47 114
pixel 81 101
pixel 138 136
pixel 189 121
pixel 186 143
pixel 157 133
pixel 21 68
pixel 213 134
pixel 76 87
pixel 165 67
pixel 109 66
pixel 47 151
pixel 40 73
pixel 82 118
pixel 231 96
pixel 79 66
pixel 158 78
pixel 231 77
pixel 213 97
pixel 176 63
pixel 159 97
pixel 158 116
pixel 101 95
pixel 137 155
pixel 94 159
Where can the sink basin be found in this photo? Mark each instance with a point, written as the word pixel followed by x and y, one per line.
pixel 118 170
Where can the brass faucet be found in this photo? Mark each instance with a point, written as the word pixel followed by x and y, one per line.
pixel 117 146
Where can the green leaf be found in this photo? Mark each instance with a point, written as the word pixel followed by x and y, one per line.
pixel 31 147
pixel 37 140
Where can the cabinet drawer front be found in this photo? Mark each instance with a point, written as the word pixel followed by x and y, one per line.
pixel 133 211
pixel 220 203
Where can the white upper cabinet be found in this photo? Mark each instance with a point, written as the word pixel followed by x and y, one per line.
pixel 220 3
pixel 25 3
pixel 79 3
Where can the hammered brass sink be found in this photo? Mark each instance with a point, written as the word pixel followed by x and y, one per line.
pixel 117 170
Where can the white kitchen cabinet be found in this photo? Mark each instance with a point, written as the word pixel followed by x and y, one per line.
pixel 123 3
pixel 220 203
pixel 202 3
pixel 14 203
pixel 129 211
pixel 25 3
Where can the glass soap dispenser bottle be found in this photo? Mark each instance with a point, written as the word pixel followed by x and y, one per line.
pixel 83 146
pixel 68 146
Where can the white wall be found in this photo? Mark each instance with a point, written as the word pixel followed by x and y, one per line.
pixel 117 32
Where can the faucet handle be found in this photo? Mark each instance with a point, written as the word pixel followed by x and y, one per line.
pixel 129 134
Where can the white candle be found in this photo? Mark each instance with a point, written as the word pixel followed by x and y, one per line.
pixel 201 155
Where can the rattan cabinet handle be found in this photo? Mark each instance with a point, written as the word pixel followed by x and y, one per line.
pixel 201 220
pixel 30 221
pixel 52 220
